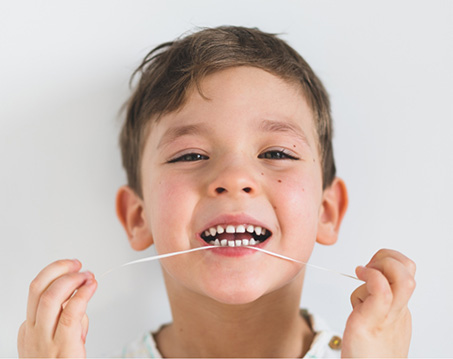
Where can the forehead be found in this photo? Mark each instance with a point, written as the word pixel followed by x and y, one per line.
pixel 237 99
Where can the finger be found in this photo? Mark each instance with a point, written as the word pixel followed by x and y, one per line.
pixel 21 339
pixel 71 323
pixel 379 300
pixel 51 301
pixel 42 282
pixel 384 253
pixel 400 278
pixel 85 325
pixel 359 295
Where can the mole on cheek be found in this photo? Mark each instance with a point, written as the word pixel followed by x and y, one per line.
pixel 262 174
pixel 279 181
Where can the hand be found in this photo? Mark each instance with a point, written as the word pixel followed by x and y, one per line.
pixel 56 324
pixel 380 324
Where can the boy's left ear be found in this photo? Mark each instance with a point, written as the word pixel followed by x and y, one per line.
pixel 332 211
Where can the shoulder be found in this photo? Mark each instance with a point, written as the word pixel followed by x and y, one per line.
pixel 326 343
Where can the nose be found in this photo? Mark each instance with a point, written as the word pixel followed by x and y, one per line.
pixel 233 180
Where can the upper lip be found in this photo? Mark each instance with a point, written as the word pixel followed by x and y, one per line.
pixel 233 219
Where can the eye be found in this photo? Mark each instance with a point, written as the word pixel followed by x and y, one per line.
pixel 277 155
pixel 189 157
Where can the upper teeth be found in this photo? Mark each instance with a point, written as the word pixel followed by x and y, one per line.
pixel 213 231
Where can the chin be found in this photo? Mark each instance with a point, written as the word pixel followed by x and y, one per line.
pixel 236 298
pixel 239 288
pixel 236 292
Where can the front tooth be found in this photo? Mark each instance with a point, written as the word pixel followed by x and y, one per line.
pixel 258 230
pixel 238 242
pixel 250 228
pixel 213 231
pixel 252 242
pixel 240 229
pixel 217 242
pixel 220 229
pixel 230 229
pixel 245 242
pixel 223 242
pixel 231 243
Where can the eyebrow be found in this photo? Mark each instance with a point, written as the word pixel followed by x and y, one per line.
pixel 200 129
pixel 178 131
pixel 284 127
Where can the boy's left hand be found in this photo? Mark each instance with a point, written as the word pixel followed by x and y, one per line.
pixel 380 323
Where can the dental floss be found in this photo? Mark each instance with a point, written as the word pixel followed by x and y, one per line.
pixel 160 256
pixel 297 261
pixel 152 258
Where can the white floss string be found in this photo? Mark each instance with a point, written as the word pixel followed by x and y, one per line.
pixel 152 258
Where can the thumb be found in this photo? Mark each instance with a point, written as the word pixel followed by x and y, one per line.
pixel 85 324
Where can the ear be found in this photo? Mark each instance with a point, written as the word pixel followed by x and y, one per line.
pixel 131 213
pixel 332 211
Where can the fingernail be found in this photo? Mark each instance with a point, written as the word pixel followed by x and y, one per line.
pixel 359 269
pixel 89 275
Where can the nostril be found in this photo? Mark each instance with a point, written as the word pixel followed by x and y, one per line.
pixel 220 190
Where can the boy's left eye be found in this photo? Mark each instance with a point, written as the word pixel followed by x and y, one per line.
pixel 277 155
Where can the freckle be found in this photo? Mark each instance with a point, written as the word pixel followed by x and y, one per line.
pixel 262 174
pixel 294 146
pixel 279 181
pixel 275 207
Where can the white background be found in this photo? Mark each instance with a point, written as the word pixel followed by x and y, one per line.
pixel 64 70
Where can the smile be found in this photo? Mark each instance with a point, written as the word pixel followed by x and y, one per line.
pixel 235 235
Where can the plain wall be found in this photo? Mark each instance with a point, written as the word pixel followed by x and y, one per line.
pixel 64 71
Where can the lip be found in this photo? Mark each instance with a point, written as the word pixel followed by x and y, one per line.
pixel 233 219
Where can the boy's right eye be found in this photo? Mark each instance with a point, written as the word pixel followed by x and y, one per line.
pixel 189 157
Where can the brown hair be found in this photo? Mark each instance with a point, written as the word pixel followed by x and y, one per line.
pixel 171 69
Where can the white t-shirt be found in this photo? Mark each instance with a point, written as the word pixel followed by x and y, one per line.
pixel 326 343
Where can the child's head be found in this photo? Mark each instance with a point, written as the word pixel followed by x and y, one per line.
pixel 228 132
pixel 170 70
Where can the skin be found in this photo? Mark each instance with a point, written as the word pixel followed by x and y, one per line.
pixel 57 326
pixel 224 306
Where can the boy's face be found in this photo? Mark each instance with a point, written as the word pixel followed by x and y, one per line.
pixel 245 155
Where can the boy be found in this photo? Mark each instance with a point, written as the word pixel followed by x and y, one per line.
pixel 227 141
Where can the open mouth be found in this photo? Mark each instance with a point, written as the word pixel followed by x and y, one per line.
pixel 235 235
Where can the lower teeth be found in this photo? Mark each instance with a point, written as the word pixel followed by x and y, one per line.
pixel 235 243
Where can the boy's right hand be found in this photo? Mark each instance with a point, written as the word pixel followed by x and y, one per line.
pixel 56 324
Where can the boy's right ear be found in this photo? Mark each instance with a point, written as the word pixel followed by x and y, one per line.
pixel 131 213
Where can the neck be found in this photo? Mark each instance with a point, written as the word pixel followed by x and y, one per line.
pixel 269 327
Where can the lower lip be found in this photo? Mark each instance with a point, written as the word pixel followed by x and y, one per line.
pixel 228 251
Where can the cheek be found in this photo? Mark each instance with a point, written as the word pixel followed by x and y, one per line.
pixel 171 206
pixel 297 195
pixel 166 193
pixel 296 204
